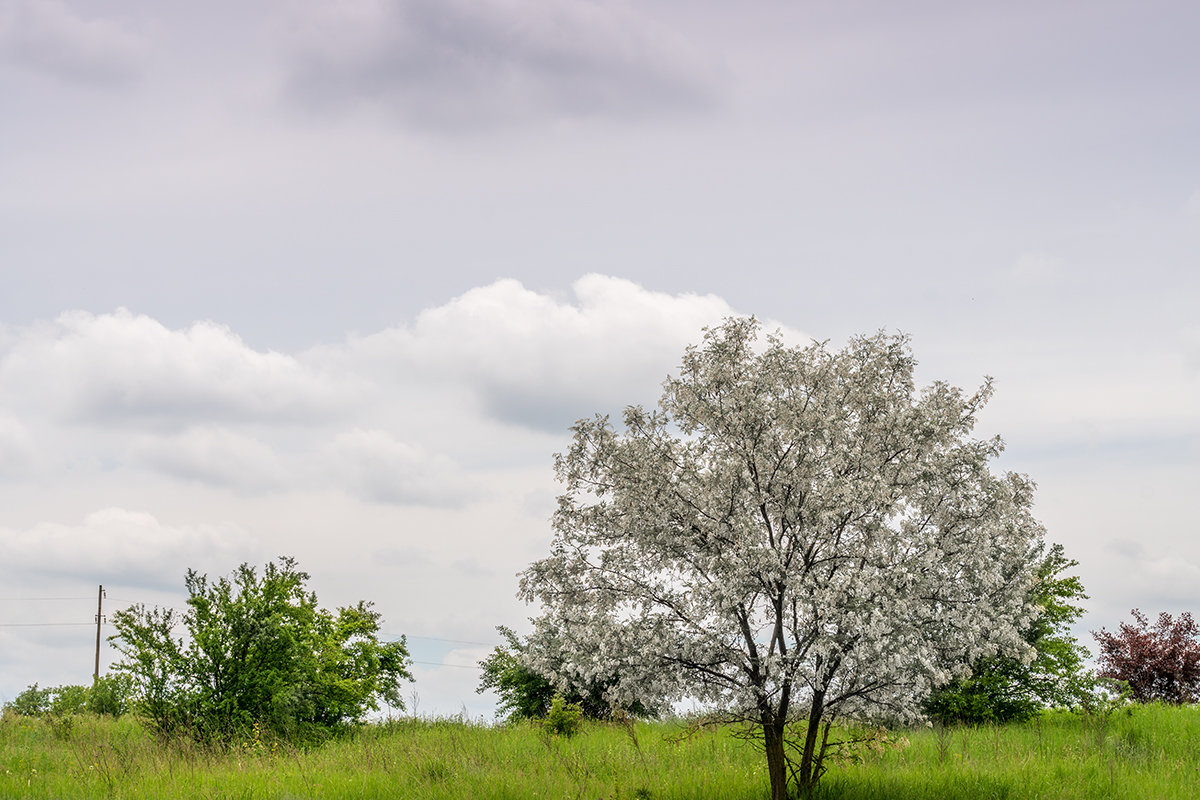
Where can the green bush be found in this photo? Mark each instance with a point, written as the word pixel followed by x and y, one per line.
pixel 258 655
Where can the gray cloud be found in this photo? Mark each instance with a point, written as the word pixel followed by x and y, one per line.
pixel 17 449
pixel 46 36
pixel 374 466
pixel 117 546
pixel 457 64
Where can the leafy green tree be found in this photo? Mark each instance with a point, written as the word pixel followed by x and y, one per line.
pixel 32 702
pixel 1007 689
pixel 528 694
pixel 258 650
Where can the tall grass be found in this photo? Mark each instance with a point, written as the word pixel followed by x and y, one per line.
pixel 1147 752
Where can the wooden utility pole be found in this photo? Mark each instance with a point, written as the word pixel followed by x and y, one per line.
pixel 99 618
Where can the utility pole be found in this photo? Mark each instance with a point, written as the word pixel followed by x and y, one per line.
pixel 99 618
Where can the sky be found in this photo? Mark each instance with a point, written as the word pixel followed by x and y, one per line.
pixel 332 278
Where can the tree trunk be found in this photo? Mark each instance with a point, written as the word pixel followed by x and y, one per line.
pixel 776 758
pixel 810 765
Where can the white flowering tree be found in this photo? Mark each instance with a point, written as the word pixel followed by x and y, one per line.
pixel 795 535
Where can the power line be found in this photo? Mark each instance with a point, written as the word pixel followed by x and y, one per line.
pixel 41 624
pixel 456 666
pixel 440 639
pixel 37 599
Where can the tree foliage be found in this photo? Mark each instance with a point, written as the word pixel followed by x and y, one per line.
pixel 258 650
pixel 107 696
pixel 1157 662
pixel 1004 688
pixel 793 532
pixel 32 701
pixel 527 694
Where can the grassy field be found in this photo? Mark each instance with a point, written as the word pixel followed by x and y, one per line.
pixel 1150 752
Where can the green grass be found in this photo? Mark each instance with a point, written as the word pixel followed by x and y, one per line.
pixel 1149 752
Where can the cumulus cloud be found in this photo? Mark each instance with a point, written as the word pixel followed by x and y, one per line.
pixel 118 546
pixel 374 466
pixel 48 37
pixel 463 63
pixel 434 403
pixel 543 362
pixel 124 368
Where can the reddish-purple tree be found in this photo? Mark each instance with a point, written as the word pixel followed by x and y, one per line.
pixel 1159 662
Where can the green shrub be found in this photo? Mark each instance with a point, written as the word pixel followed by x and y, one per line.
pixel 563 718
pixel 69 700
pixel 109 696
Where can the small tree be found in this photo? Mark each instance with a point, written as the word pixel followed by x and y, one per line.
pixel 109 695
pixel 1159 662
pixel 1009 689
pixel 257 650
pixel 524 694
pixel 528 694
pixel 793 535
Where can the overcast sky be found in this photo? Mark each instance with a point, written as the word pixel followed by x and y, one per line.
pixel 331 278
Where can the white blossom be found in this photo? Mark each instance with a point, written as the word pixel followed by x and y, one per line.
pixel 791 531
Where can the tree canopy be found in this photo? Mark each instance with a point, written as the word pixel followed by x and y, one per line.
pixel 258 650
pixel 793 532
pixel 1157 662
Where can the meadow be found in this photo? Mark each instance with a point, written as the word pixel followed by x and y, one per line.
pixel 1140 752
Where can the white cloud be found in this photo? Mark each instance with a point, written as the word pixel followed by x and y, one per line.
pixel 543 362
pixel 47 36
pixel 374 466
pixel 117 546
pixel 466 63
pixel 123 368
pixel 17 451
pixel 215 456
